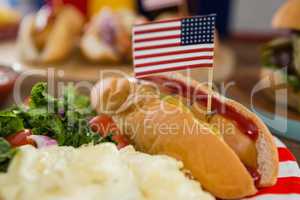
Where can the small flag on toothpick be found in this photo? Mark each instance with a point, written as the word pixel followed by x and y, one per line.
pixel 173 45
pixel 176 44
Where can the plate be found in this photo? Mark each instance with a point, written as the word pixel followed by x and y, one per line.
pixel 288 183
pixel 292 125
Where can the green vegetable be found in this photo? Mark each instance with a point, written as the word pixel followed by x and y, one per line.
pixel 72 98
pixel 294 81
pixel 66 121
pixel 10 123
pixel 42 122
pixel 268 51
pixel 64 118
pixel 269 48
pixel 40 97
pixel 6 154
pixel 296 52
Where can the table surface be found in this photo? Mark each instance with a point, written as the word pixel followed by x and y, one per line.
pixel 247 65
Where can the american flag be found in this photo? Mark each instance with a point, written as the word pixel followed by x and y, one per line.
pixel 173 45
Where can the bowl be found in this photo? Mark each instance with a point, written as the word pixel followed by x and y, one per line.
pixel 7 80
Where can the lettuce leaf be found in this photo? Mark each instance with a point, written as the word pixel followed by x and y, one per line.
pixel 294 81
pixel 6 154
pixel 66 121
pixel 64 118
pixel 268 52
pixel 296 52
pixel 10 123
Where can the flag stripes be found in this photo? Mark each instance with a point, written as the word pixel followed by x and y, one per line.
pixel 173 45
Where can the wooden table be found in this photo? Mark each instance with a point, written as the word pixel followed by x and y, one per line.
pixel 75 68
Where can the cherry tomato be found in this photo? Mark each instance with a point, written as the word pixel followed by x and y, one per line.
pixel 103 125
pixel 121 140
pixel 20 138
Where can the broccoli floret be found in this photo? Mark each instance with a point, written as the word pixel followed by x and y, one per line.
pixel 43 122
pixel 10 123
pixel 40 97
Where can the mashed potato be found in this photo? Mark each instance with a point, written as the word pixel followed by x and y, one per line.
pixel 94 173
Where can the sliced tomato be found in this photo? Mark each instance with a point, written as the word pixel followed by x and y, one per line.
pixel 103 125
pixel 121 141
pixel 20 138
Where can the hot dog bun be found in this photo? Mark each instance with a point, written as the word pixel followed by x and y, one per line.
pixel 288 16
pixel 96 42
pixel 139 111
pixel 267 155
pixel 209 159
pixel 108 36
pixel 96 50
pixel 59 41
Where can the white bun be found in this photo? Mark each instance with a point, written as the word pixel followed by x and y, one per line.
pixel 288 15
pixel 61 40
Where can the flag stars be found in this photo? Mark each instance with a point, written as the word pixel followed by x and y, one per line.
pixel 197 30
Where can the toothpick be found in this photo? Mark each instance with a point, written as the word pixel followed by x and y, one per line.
pixel 210 90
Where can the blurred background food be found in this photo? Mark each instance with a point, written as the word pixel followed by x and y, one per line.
pixel 107 36
pixel 9 20
pixel 82 37
pixel 248 48
pixel 281 56
pixel 52 34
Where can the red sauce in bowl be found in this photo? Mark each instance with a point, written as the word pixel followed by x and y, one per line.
pixel 7 79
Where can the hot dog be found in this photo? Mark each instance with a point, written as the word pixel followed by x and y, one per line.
pixel 108 36
pixel 229 151
pixel 49 35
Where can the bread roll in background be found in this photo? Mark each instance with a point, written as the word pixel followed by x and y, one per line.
pixel 287 16
pixel 108 36
pixel 59 41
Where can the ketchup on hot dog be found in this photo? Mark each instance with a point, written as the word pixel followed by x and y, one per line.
pixel 246 125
